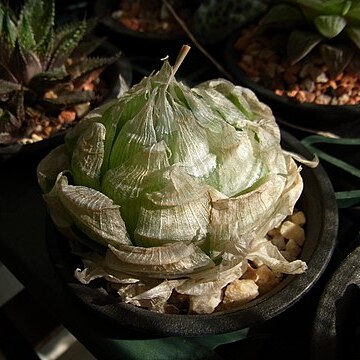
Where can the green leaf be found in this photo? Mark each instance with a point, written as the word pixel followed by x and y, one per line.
pixel 26 35
pixel 281 16
pixel 300 44
pixel 330 25
pixel 346 8
pixel 354 34
pixel 88 156
pixel 337 58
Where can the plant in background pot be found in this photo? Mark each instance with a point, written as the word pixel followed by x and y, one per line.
pixel 47 79
pixel 303 52
pixel 148 23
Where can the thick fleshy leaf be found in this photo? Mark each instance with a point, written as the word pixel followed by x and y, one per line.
pixel 93 212
pixel 328 7
pixel 187 264
pixel 124 184
pixel 354 34
pixel 330 25
pixel 300 44
pixel 156 298
pixel 178 211
pixel 51 166
pixel 281 16
pixel 95 115
pixel 88 156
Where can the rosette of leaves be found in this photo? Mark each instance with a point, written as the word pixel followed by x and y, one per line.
pixel 175 189
pixel 43 69
pixel 331 27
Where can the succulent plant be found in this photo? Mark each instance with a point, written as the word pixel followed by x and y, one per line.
pixel 175 188
pixel 330 26
pixel 43 70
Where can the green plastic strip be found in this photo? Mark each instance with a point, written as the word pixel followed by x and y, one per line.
pixel 344 199
pixel 178 348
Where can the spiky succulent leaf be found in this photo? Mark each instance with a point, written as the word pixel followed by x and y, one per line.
pixel 24 64
pixel 330 25
pixel 44 81
pixel 66 41
pixel 37 16
pixel 44 49
pixel 88 65
pixel 7 87
pixel 87 47
pixel 8 31
pixel 300 44
pixel 26 34
pixel 71 98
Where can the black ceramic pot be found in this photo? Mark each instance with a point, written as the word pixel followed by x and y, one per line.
pixel 135 42
pixel 318 203
pixel 342 120
pixel 119 78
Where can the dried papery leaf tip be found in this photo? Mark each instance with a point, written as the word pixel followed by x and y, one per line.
pixel 180 58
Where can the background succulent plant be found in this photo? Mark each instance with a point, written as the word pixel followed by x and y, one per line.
pixel 43 69
pixel 331 26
